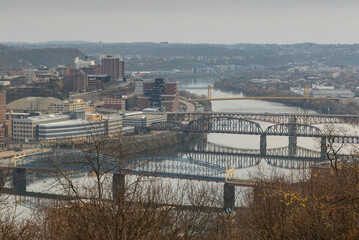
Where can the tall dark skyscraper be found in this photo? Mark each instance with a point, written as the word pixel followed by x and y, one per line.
pixel 113 66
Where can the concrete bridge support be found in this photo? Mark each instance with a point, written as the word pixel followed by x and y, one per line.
pixel 323 148
pixel 229 196
pixel 292 146
pixel 19 180
pixel 2 178
pixel 118 185
pixel 263 144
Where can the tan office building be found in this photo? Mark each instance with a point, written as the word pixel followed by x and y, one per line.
pixel 70 105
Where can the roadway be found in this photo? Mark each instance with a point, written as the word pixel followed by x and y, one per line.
pixel 189 105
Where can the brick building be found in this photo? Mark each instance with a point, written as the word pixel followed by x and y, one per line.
pixel 97 81
pixel 79 81
pixel 159 94
pixel 113 66
pixel 115 102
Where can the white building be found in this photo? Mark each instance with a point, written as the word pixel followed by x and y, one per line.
pixel 322 87
pixel 73 125
pixel 83 63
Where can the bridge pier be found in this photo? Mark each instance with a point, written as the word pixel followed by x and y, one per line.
pixel 229 196
pixel 263 144
pixel 2 178
pixel 323 148
pixel 19 180
pixel 118 185
pixel 292 146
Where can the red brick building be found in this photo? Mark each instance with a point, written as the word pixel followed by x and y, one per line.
pixel 113 66
pixel 80 81
pixel 115 102
pixel 159 94
pixel 75 80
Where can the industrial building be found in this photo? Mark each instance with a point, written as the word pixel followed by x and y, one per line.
pixel 160 95
pixel 72 125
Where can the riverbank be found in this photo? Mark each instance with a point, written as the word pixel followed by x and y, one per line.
pixel 124 146
pixel 238 86
pixel 156 141
pixel 207 106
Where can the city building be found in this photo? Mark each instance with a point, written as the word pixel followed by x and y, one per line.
pixel 322 87
pixel 70 105
pixel 45 74
pixel 115 102
pixel 2 117
pixel 80 82
pixel 4 84
pixel 97 81
pixel 340 93
pixel 74 125
pixel 143 119
pixel 74 80
pixel 33 104
pixel 61 70
pixel 113 66
pixel 25 128
pixel 159 94
pixel 83 63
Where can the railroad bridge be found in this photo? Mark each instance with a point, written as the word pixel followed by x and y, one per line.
pixel 207 162
pixel 309 119
pixel 234 125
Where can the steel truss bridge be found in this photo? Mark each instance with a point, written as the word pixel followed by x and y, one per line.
pixel 234 125
pixel 309 119
pixel 199 162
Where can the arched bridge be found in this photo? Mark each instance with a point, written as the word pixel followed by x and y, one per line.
pixel 224 125
pixel 232 125
pixel 211 125
pixel 293 129
pixel 269 117
pixel 238 126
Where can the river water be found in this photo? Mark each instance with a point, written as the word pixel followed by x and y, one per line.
pixel 248 142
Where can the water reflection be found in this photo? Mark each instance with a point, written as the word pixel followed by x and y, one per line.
pixel 209 161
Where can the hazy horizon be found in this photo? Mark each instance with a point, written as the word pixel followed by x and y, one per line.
pixel 185 21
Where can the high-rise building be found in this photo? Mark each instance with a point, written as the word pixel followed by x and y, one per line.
pixel 113 66
pixel 79 81
pixel 160 95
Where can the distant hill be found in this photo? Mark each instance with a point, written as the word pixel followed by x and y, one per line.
pixel 14 56
pixel 163 55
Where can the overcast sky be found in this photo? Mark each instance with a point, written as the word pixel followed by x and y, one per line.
pixel 187 21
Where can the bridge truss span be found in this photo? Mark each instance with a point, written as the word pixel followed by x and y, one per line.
pixel 299 152
pixel 167 126
pixel 310 119
pixel 293 129
pixel 224 124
